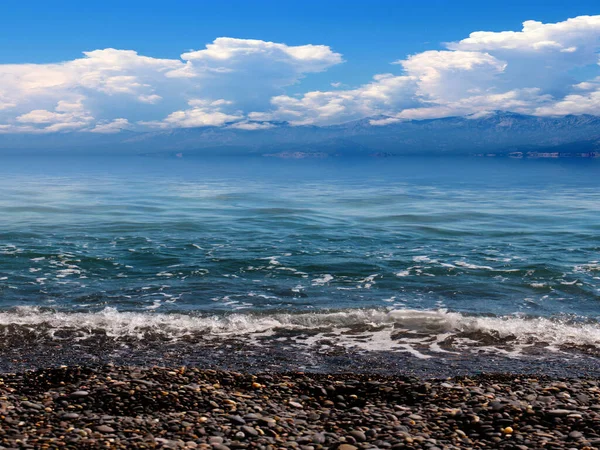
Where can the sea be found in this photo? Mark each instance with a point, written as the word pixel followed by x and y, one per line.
pixel 427 266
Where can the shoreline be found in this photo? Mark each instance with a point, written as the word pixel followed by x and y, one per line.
pixel 132 407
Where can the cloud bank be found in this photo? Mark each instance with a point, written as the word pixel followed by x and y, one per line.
pixel 543 69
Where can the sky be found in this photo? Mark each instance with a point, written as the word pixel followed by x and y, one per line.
pixel 109 66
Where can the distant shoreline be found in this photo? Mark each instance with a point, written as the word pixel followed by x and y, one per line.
pixel 299 155
pixel 539 155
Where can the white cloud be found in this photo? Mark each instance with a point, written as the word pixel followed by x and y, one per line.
pixel 517 100
pixel 528 71
pixel 228 53
pixel 66 116
pixel 386 94
pixel 251 71
pixel 570 36
pixel 203 113
pixel 114 126
pixel 113 83
pixel 241 83
pixel 452 75
pixel 5 104
pixel 251 126
pixel 151 98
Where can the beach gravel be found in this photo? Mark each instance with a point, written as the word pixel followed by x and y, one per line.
pixel 125 407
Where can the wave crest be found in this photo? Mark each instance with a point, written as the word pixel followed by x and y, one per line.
pixel 397 323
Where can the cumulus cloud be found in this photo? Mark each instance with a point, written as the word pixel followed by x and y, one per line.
pixel 228 54
pixel 251 71
pixel 386 94
pixel 570 36
pixel 66 116
pixel 114 126
pixel 241 84
pixel 203 113
pixel 528 71
pixel 109 82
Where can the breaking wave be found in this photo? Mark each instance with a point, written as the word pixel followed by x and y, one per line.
pixel 398 324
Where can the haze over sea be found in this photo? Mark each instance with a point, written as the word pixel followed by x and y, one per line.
pixel 431 264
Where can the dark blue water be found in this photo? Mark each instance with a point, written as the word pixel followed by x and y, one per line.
pixel 436 246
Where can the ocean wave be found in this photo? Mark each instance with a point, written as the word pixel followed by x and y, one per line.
pixel 399 325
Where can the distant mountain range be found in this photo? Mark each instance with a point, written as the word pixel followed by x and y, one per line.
pixel 499 133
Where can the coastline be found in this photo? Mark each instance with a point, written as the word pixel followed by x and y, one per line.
pixel 129 407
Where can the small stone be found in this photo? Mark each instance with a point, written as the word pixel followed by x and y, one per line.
pixel 559 412
pixel 220 447
pixel 105 429
pixel 249 430
pixel 347 447
pixel 497 406
pixel 32 405
pixel 79 394
pixel 358 435
pixel 268 421
pixel 575 435
pixel 507 430
pixel 237 420
pixel 295 404
pixel 318 438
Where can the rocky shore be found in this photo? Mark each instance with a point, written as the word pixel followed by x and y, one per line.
pixel 121 407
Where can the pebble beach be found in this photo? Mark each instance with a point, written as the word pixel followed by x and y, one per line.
pixel 131 407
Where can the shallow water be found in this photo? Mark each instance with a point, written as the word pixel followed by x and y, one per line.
pixel 423 258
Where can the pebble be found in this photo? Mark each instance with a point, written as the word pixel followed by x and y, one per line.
pixel 32 405
pixel 559 412
pixel 237 420
pixel 249 430
pixel 218 410
pixel 347 447
pixel 318 438
pixel 358 435
pixel 79 394
pixel 220 447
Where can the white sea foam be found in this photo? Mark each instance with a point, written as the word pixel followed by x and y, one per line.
pixel 272 260
pixel 367 282
pixel 322 280
pixel 416 331
pixel 466 265
pixel 423 259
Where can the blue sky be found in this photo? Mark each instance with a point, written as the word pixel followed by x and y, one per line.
pixel 367 36
pixel 370 34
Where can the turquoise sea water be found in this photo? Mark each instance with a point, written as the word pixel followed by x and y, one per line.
pixel 397 249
